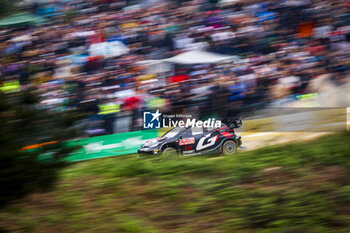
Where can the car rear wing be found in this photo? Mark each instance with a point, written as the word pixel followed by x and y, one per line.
pixel 233 123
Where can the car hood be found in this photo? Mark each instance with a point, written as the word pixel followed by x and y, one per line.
pixel 153 142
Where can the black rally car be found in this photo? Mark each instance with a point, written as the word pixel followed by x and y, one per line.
pixel 196 140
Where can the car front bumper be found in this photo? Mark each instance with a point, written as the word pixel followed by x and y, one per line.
pixel 150 151
pixel 238 140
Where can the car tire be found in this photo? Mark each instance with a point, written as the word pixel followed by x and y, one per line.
pixel 169 152
pixel 229 148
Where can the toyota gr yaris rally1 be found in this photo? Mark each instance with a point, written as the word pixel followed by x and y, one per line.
pixel 196 140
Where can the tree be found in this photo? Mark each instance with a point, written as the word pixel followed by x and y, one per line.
pixel 23 123
pixel 5 6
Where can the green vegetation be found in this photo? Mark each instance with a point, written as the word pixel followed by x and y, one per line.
pixel 23 125
pixel 6 6
pixel 300 187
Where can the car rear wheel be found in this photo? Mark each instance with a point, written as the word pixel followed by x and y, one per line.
pixel 169 152
pixel 229 148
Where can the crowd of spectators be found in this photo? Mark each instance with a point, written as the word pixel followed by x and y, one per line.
pixel 282 46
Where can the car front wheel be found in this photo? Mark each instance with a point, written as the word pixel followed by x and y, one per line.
pixel 229 148
pixel 169 152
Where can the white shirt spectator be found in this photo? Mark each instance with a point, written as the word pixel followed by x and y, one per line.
pixel 220 36
pixel 182 42
pixel 290 81
pixel 322 31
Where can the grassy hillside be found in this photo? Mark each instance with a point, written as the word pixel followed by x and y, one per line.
pixel 301 187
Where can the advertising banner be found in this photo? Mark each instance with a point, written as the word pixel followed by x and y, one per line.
pixel 110 145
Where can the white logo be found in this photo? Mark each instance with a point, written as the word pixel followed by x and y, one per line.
pixel 133 142
pixel 129 143
pixel 151 120
pixel 210 143
pixel 96 147
pixel 211 122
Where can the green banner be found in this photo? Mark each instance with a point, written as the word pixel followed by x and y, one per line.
pixel 110 145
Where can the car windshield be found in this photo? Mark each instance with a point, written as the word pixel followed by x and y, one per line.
pixel 172 133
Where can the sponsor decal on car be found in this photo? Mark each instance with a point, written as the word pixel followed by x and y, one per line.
pixel 186 141
pixel 226 134
pixel 203 145
pixel 188 148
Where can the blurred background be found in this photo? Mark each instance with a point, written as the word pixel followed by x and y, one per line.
pixel 74 69
pixel 114 59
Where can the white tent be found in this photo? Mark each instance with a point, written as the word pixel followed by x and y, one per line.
pixel 186 58
pixel 199 57
pixel 193 58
